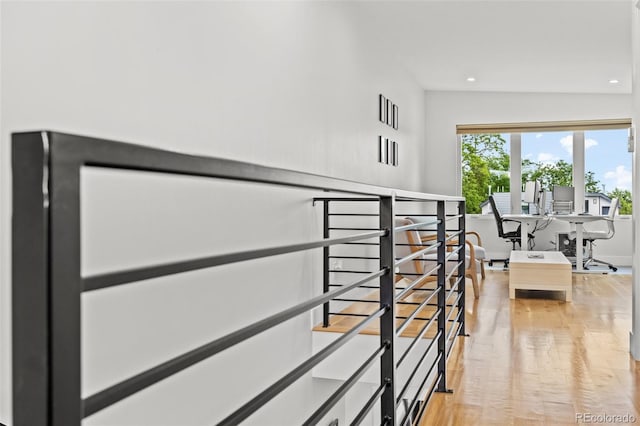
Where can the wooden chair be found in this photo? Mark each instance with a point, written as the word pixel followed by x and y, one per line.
pixel 411 241
pixel 473 251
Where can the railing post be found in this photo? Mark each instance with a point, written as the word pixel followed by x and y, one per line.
pixel 387 321
pixel 461 258
pixel 325 264
pixel 66 282
pixel 442 296
pixel 30 270
pixel 46 281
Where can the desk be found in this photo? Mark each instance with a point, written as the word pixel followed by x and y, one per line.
pixel 576 219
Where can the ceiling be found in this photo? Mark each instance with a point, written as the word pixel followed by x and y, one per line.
pixel 562 46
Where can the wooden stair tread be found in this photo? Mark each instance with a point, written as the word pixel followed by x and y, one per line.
pixel 343 324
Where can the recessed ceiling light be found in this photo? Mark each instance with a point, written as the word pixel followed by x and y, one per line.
pixel 614 81
pixel 471 79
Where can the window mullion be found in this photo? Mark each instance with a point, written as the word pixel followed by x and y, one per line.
pixel 578 170
pixel 515 173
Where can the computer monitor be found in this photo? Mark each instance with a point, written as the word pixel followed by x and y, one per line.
pixel 531 195
pixel 563 198
pixel 542 203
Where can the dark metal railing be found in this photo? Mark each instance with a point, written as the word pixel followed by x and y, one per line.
pixel 441 326
pixel 47 282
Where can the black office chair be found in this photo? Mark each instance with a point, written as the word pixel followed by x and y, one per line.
pixel 513 236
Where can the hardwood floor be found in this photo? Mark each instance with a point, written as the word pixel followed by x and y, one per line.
pixel 538 360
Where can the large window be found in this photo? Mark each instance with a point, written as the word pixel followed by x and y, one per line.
pixel 548 158
pixel 608 170
pixel 485 168
pixel 602 168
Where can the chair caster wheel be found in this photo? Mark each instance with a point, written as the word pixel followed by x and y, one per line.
pixel 613 268
pixel 491 263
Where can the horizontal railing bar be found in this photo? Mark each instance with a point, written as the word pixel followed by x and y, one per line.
pixel 117 278
pixel 453 288
pixel 407 321
pixel 419 336
pixel 426 200
pixel 362 286
pixel 455 216
pixel 452 253
pixel 344 199
pixel 412 274
pixel 347 314
pixel 375 287
pixel 153 375
pixel 361 244
pixel 455 339
pixel 428 398
pixel 343 389
pixel 453 271
pixel 415 369
pixel 416 225
pixel 452 310
pixel 457 319
pixel 452 236
pixel 415 282
pixel 416 254
pixel 408 303
pixel 415 398
pixel 415 215
pixel 368 405
pixel 415 319
pixel 353 229
pixel 355 214
pixel 95 152
pixel 342 299
pixel 346 271
pixel 354 257
pixel 258 401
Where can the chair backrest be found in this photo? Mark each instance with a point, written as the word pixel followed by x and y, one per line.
pixel 497 216
pixel 612 213
pixel 613 208
pixel 408 242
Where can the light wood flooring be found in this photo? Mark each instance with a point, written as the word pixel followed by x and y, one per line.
pixel 537 360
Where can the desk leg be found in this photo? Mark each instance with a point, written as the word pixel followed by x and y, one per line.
pixel 579 247
pixel 524 236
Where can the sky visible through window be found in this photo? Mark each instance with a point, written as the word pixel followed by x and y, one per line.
pixel 605 154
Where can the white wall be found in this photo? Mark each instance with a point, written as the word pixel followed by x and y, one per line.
pixel 445 110
pixel 635 28
pixel 291 85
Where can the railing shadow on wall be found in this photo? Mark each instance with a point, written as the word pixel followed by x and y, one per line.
pixel 48 284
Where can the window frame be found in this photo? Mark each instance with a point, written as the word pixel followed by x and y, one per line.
pixel 515 131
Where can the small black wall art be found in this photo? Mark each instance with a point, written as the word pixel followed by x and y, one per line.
pixel 387 114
